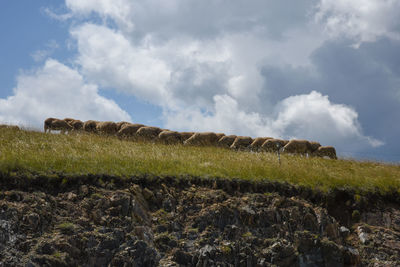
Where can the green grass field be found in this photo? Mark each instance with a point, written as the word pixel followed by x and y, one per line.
pixel 29 151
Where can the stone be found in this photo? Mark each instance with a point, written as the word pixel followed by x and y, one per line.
pixel 182 257
pixel 345 232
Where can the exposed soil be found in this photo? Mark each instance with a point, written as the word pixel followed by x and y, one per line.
pixel 189 221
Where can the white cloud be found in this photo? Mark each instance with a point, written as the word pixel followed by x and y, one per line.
pixel 314 117
pixel 108 58
pixel 56 90
pixel 119 10
pixel 361 20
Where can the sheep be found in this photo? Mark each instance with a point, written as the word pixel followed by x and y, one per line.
pixel 77 125
pixel 202 139
pixel 148 132
pixel 273 145
pixel 129 130
pixel 325 151
pixel 47 124
pixel 226 141
pixel 170 137
pixel 258 142
pixel 121 124
pixel 302 147
pixel 186 135
pixel 57 125
pixel 314 146
pixel 90 126
pixel 242 142
pixel 106 127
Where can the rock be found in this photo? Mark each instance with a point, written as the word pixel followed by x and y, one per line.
pixel 182 257
pixel 45 248
pixel 187 224
pixel 351 257
pixel 143 255
pixel 362 234
pixel 148 195
pixel 122 201
pixel 84 190
pixel 345 232
pixel 33 220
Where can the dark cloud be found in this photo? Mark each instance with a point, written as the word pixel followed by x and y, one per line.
pixel 210 19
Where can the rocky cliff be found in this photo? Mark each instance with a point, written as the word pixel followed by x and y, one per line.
pixel 189 221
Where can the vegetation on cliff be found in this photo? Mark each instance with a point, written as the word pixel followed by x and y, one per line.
pixel 29 151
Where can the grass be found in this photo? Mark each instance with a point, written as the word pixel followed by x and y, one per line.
pixel 29 151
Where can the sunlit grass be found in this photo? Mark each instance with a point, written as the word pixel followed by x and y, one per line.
pixel 28 151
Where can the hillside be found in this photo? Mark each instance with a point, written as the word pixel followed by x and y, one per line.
pixel 36 152
pixel 86 200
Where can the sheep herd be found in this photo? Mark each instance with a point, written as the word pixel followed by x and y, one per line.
pixel 137 131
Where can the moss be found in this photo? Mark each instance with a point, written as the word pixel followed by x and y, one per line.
pixel 57 254
pixel 67 227
pixel 226 250
pixel 357 198
pixel 247 235
pixel 193 230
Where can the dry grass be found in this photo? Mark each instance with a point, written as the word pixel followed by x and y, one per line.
pixel 27 151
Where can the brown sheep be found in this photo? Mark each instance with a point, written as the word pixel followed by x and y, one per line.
pixel 77 125
pixel 301 147
pixel 121 124
pixel 325 151
pixel 226 141
pixel 90 126
pixel 106 127
pixel 186 135
pixel 148 132
pixel 202 139
pixel 314 146
pixel 258 142
pixel 242 142
pixel 273 145
pixel 56 125
pixel 170 137
pixel 47 124
pixel 129 130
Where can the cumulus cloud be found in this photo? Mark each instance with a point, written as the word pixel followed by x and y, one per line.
pixel 56 90
pixel 108 58
pixel 313 116
pixel 360 20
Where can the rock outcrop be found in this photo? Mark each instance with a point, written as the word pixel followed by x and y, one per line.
pixel 104 221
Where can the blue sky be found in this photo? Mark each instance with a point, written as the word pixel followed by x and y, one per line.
pixel 25 29
pixel 322 70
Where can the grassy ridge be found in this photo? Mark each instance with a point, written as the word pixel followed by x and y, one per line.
pixel 25 151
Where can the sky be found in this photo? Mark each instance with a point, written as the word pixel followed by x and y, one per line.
pixel 323 70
